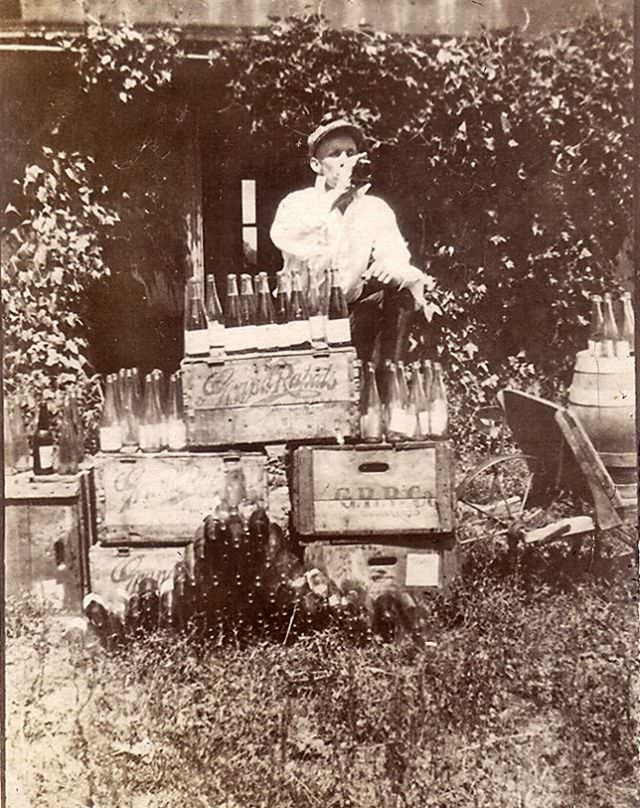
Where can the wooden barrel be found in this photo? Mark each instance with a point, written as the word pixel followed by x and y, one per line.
pixel 602 397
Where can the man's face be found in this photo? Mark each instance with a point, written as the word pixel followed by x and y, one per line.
pixel 330 156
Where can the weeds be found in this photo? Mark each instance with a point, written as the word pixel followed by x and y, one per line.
pixel 526 700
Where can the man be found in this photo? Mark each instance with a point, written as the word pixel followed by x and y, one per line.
pixel 336 223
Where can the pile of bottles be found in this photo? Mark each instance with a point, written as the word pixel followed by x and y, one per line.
pixel 401 403
pixel 45 457
pixel 611 335
pixel 147 416
pixel 253 319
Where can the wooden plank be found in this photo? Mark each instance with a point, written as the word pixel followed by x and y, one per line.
pixel 603 492
pixel 164 497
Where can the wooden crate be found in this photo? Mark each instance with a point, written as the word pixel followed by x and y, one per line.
pixel 272 398
pixel 162 498
pixel 49 525
pixel 392 564
pixel 373 490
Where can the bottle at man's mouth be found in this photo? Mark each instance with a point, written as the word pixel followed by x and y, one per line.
pixel 362 172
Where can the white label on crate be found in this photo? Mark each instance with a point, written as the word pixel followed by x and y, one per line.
pixel 110 439
pixel 438 419
pixel 216 334
pixel 298 332
pixel 318 328
pixel 425 422
pixel 397 420
pixel 196 342
pixel 338 331
pixel 423 569
pixel 177 434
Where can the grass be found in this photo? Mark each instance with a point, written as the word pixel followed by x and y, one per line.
pixel 527 700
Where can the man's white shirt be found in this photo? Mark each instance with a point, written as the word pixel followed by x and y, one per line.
pixel 313 237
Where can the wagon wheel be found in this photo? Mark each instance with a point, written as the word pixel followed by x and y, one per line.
pixel 493 499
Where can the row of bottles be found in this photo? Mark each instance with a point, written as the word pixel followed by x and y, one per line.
pixel 45 456
pixel 148 416
pixel 608 335
pixel 409 404
pixel 255 320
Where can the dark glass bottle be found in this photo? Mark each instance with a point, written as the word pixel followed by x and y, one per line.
pixel 78 426
pixel 394 409
pixel 248 308
pixel 627 339
pixel 232 316
pixel 338 327
pixel 317 316
pixel 42 446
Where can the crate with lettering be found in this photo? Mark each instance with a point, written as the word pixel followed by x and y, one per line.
pixel 373 490
pixel 160 499
pixel 270 398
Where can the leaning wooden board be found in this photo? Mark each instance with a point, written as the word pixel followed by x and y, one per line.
pixel 162 498
pixel 373 490
pixel 265 398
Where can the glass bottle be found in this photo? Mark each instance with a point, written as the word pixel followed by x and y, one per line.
pixel 265 316
pixel 150 424
pixel 8 442
pixel 370 408
pixel 627 328
pixel 20 452
pixel 157 380
pixel 42 446
pixel 176 428
pixel 409 429
pixel 424 414
pixel 67 456
pixel 248 314
pixel 232 316
pixel 78 426
pixel 596 327
pixel 317 316
pixel 282 312
pixel 130 421
pixel 395 414
pixel 121 386
pixel 215 317
pixel 338 326
pixel 416 403
pixel 196 331
pixel 438 410
pixel 610 329
pixel 299 335
pixel 109 431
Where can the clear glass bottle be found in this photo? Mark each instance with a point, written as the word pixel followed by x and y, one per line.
pixel 248 334
pixel 409 429
pixel 78 426
pixel 196 330
pixel 416 403
pixel 610 328
pixel 282 312
pixel 130 421
pixel 596 327
pixel 424 414
pixel 371 427
pixel 215 316
pixel 110 427
pixel 232 316
pixel 627 328
pixel 395 420
pixel 265 316
pixel 67 456
pixel 160 405
pixel 299 333
pixel 317 316
pixel 338 326
pixel 438 410
pixel 150 425
pixel 176 428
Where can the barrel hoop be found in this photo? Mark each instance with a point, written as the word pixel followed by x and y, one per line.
pixel 619 460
